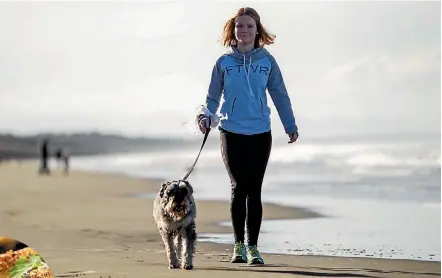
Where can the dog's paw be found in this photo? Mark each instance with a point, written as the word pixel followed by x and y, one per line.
pixel 174 265
pixel 187 266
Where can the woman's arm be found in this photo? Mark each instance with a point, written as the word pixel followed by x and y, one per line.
pixel 213 96
pixel 280 97
pixel 215 88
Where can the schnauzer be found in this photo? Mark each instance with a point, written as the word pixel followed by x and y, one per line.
pixel 174 211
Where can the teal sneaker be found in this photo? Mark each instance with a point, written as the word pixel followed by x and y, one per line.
pixel 253 256
pixel 239 253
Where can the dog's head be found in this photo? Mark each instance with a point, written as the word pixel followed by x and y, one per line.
pixel 176 197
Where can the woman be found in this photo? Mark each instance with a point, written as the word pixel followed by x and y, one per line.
pixel 242 76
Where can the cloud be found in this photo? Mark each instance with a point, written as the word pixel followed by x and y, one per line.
pixel 421 63
pixel 417 74
pixel 403 91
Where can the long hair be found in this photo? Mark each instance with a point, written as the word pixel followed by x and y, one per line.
pixel 262 38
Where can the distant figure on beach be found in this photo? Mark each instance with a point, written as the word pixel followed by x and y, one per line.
pixel 44 156
pixel 62 156
pixel 242 76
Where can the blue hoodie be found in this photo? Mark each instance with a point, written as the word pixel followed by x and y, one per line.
pixel 242 80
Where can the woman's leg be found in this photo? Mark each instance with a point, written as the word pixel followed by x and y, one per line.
pixel 235 158
pixel 260 146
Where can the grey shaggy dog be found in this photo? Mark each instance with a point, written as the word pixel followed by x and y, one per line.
pixel 174 211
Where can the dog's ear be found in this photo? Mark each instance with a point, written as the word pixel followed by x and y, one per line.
pixel 163 189
pixel 189 187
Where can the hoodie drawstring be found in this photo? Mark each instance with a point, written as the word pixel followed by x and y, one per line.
pixel 247 75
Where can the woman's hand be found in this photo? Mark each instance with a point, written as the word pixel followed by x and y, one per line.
pixel 293 137
pixel 204 124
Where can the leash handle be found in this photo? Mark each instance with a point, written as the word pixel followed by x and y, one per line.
pixel 202 146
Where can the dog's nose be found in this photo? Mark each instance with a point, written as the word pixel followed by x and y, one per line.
pixel 178 207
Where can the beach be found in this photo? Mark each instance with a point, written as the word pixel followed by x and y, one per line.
pixel 93 225
pixel 375 199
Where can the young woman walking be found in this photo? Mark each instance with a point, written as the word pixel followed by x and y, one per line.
pixel 242 77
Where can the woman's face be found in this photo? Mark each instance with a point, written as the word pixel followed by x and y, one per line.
pixel 245 29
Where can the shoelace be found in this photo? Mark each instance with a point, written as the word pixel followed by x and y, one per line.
pixel 254 251
pixel 238 248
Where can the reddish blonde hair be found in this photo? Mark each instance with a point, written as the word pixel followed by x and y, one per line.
pixel 263 38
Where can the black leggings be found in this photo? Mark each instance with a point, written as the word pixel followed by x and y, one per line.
pixel 245 158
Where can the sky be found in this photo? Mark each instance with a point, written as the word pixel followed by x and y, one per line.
pixel 142 68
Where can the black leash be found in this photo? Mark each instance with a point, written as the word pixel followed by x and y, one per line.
pixel 202 145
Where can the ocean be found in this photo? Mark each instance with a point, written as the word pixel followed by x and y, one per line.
pixel 379 198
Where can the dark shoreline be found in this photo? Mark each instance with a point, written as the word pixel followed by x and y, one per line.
pixel 20 147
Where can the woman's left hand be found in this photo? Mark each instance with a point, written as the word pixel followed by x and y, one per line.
pixel 293 137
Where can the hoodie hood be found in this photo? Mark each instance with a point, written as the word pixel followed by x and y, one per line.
pixel 252 55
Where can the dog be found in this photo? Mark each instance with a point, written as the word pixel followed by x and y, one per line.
pixel 174 211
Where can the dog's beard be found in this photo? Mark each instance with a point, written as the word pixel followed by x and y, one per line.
pixel 177 210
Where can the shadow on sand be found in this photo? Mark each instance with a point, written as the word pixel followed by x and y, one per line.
pixel 278 269
pixel 286 271
pixel 316 271
pixel 372 270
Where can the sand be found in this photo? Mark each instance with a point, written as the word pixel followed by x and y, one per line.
pixel 91 225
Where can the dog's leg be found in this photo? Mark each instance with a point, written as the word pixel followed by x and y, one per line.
pixel 167 237
pixel 178 245
pixel 189 242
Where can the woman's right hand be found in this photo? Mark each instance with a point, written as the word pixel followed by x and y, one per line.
pixel 204 124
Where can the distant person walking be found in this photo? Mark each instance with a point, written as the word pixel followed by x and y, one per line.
pixel 65 158
pixel 62 155
pixel 242 76
pixel 44 156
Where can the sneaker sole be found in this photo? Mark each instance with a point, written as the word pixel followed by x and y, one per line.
pixel 255 261
pixel 237 260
